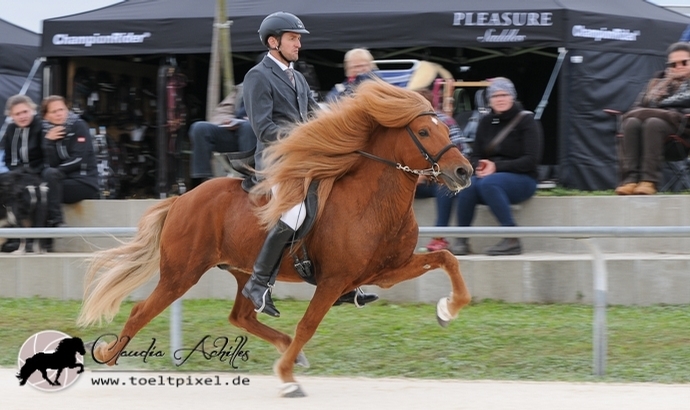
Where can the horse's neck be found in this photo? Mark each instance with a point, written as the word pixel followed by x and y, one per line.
pixel 390 188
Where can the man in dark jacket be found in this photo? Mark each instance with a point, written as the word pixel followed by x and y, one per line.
pixel 276 95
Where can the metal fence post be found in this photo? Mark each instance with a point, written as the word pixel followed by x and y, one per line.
pixel 599 336
pixel 175 329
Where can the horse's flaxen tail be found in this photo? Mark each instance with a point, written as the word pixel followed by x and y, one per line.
pixel 26 371
pixel 115 273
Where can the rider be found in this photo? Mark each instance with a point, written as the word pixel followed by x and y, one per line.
pixel 274 95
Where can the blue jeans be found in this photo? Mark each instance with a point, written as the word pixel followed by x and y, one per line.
pixel 498 191
pixel 207 138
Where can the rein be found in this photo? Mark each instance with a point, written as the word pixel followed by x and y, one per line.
pixel 434 171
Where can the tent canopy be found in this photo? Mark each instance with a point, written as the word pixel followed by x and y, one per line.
pixel 19 48
pixel 613 47
pixel 184 27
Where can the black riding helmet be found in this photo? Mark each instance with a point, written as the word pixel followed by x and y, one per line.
pixel 278 23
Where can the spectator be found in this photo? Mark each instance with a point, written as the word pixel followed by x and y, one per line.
pixel 22 144
pixel 22 139
pixel 276 95
pixel 656 114
pixel 70 163
pixel 359 66
pixel 225 132
pixel 505 171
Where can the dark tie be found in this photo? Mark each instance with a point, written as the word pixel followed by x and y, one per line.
pixel 290 75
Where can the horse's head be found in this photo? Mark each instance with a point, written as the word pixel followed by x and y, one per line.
pixel 71 344
pixel 428 150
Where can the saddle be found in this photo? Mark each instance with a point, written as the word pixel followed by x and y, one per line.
pixel 243 163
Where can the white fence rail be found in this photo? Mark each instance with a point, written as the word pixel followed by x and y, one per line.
pixel 589 234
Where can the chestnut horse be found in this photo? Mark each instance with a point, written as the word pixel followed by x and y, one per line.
pixel 366 152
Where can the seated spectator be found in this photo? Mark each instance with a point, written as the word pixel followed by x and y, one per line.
pixel 22 139
pixel 22 143
pixel 70 163
pixel 359 65
pixel 224 133
pixel 505 171
pixel 656 114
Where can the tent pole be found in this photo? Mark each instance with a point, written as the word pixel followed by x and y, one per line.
pixel 212 89
pixel 224 44
pixel 562 51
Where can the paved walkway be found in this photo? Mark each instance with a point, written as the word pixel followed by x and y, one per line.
pixel 340 393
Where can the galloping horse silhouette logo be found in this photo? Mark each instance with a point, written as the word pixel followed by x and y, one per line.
pixel 50 351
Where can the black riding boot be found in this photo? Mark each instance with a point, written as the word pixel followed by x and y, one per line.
pixel 260 285
pixel 357 297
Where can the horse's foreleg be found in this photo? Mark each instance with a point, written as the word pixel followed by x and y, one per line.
pixel 419 264
pixel 323 299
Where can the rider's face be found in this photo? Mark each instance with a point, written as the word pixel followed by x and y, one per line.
pixel 289 45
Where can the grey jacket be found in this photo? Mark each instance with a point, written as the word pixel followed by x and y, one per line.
pixel 272 102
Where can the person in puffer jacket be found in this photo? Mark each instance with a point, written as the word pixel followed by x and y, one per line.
pixel 70 162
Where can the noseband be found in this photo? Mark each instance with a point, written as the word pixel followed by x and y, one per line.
pixel 433 172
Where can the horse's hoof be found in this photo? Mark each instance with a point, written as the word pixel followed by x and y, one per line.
pixel 301 360
pixel 443 316
pixel 443 323
pixel 291 390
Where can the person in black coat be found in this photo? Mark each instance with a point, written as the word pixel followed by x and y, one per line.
pixel 22 139
pixel 506 171
pixel 70 161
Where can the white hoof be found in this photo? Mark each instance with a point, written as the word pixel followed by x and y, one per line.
pixel 443 315
pixel 301 360
pixel 291 390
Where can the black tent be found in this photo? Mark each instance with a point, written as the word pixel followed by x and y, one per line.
pixel 613 47
pixel 19 49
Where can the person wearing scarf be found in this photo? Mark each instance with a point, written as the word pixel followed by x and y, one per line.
pixel 22 139
pixel 656 115
pixel 70 162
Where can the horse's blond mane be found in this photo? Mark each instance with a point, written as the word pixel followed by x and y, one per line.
pixel 324 148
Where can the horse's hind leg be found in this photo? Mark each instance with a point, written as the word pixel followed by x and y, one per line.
pixel 319 305
pixel 243 316
pixel 57 377
pixel 447 308
pixel 45 377
pixel 173 283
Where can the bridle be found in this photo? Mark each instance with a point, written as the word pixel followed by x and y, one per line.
pixel 433 172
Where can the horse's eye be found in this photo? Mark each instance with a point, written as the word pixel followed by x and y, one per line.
pixel 423 133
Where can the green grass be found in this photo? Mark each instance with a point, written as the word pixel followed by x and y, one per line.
pixel 489 340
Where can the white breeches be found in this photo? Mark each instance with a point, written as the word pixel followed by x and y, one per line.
pixel 294 217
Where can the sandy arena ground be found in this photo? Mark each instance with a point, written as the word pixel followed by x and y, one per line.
pixel 341 393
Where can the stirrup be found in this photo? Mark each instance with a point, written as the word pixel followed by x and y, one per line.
pixel 269 288
pixel 358 291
